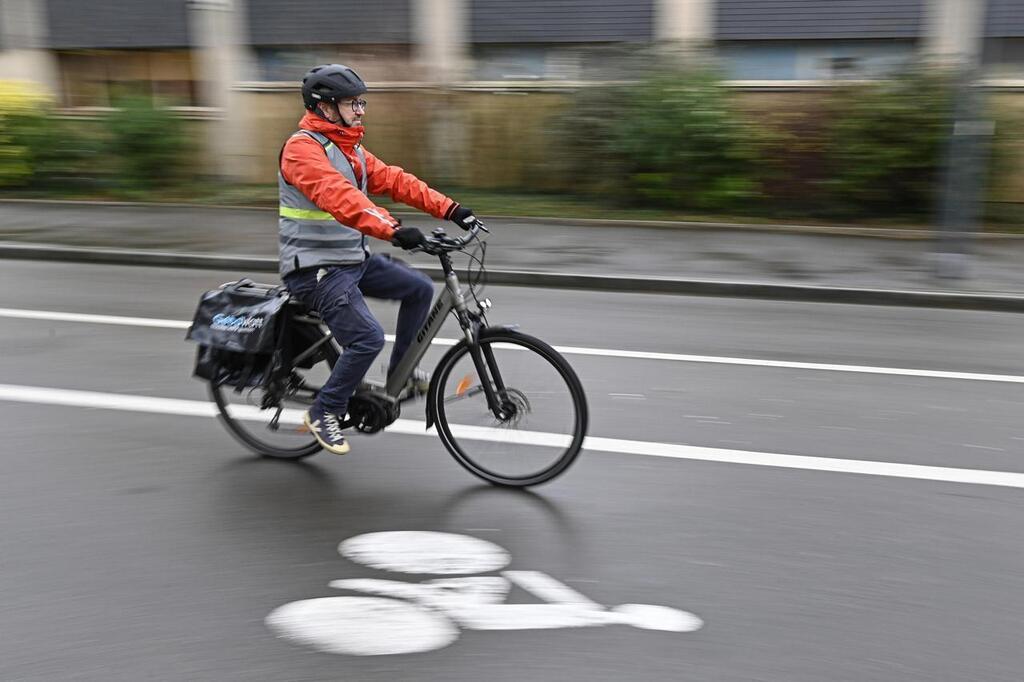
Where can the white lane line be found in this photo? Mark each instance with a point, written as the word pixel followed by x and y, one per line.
pixel 753 362
pixel 92 319
pixel 54 316
pixel 568 350
pixel 132 403
pixel 109 401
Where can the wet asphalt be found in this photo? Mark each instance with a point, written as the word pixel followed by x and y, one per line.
pixel 152 546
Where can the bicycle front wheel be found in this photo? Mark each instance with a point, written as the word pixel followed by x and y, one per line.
pixel 537 430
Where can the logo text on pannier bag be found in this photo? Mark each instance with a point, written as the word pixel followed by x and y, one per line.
pixel 236 323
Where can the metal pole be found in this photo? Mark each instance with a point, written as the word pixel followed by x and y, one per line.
pixel 963 187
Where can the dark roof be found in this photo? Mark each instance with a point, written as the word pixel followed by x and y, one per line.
pixel 329 22
pixel 1005 18
pixel 164 23
pixel 117 23
pixel 819 19
pixel 560 21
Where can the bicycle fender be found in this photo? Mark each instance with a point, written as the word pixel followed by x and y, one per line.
pixel 435 385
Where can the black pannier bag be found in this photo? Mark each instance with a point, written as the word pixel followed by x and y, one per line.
pixel 238 328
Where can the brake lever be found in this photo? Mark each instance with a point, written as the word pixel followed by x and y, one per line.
pixel 431 247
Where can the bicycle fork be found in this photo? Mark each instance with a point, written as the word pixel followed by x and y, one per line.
pixel 482 354
pixel 490 378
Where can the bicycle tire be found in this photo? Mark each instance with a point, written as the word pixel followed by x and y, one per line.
pixel 249 438
pixel 443 396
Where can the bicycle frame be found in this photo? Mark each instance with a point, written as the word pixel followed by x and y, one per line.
pixel 450 298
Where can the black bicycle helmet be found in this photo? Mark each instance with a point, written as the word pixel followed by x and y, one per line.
pixel 329 83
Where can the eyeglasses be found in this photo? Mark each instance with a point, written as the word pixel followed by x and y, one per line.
pixel 354 104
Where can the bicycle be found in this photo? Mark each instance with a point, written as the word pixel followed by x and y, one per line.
pixel 506 405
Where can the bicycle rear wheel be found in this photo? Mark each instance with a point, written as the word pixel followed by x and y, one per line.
pixel 543 406
pixel 248 417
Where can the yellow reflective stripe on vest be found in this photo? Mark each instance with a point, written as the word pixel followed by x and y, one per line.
pixel 304 214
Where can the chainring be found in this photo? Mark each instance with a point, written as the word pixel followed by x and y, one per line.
pixel 370 413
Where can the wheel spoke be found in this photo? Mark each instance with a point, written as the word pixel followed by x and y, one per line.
pixel 469 393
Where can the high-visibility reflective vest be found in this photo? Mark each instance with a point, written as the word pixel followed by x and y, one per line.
pixel 310 237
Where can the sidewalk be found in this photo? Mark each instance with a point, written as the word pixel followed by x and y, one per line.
pixel 630 255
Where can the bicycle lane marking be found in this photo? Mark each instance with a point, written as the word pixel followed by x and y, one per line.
pixel 197 408
pixel 408 617
pixel 567 350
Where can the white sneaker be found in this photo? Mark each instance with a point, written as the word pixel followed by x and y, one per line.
pixel 418 384
pixel 326 428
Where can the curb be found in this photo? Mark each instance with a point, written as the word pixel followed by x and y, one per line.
pixel 617 283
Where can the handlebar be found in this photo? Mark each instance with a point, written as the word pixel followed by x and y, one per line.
pixel 440 242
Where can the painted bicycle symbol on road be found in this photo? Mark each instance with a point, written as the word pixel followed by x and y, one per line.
pixel 404 617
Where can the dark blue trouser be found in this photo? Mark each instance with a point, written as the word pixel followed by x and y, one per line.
pixel 338 297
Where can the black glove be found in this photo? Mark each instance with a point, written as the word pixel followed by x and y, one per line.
pixel 462 216
pixel 408 237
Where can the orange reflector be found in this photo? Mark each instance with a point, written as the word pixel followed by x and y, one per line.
pixel 464 385
pixel 302 428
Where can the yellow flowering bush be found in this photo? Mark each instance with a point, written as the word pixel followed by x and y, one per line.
pixel 21 98
pixel 22 108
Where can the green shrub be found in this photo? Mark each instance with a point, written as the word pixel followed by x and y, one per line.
pixel 787 137
pixel 1006 162
pixel 147 144
pixel 41 151
pixel 67 155
pixel 671 140
pixel 885 145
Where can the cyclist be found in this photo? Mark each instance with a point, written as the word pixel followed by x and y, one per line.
pixel 324 178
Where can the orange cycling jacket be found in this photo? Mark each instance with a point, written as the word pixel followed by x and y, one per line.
pixel 304 165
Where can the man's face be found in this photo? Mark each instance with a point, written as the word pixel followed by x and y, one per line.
pixel 347 111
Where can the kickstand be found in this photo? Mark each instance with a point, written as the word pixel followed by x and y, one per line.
pixel 273 425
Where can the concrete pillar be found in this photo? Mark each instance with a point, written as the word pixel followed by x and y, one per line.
pixel 24 53
pixel 954 29
pixel 955 39
pixel 219 34
pixel 441 38
pixel 689 22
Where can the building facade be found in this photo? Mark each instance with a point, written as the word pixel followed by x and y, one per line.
pixel 102 49
pixel 237 62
